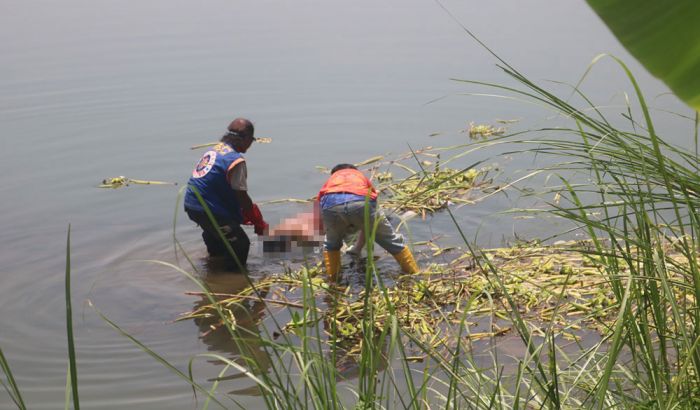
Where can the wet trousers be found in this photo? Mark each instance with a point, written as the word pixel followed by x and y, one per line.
pixel 347 218
pixel 234 234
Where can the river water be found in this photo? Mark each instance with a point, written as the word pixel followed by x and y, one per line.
pixel 97 89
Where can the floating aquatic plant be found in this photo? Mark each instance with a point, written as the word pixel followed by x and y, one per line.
pixel 557 284
pixel 122 181
pixel 260 140
pixel 477 131
pixel 429 189
pixel 424 190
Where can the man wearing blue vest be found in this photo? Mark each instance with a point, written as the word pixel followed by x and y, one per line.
pixel 220 178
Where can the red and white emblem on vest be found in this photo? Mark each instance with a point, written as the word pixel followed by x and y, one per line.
pixel 205 164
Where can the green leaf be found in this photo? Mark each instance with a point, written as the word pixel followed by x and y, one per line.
pixel 662 35
pixel 73 368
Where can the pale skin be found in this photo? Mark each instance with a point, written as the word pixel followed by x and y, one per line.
pixel 305 225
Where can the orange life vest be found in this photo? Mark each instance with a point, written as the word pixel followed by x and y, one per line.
pixel 350 181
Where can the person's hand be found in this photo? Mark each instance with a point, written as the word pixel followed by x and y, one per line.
pixel 254 217
pixel 261 228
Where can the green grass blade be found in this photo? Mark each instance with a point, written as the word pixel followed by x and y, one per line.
pixel 69 330
pixel 12 390
pixel 67 394
pixel 155 355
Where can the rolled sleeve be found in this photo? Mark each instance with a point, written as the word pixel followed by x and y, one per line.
pixel 238 177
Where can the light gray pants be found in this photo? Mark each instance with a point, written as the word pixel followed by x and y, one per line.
pixel 348 218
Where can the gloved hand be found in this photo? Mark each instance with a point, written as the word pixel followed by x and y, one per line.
pixel 261 228
pixel 254 217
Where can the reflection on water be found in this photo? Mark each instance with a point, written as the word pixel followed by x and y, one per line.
pixel 506 351
pixel 241 343
pixel 248 343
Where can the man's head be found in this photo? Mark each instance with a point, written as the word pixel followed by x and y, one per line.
pixel 342 166
pixel 240 135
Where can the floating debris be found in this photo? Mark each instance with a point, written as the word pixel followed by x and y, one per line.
pixel 122 181
pixel 370 161
pixel 425 190
pixel 561 286
pixel 484 131
pixel 502 121
pixel 208 144
pixel 288 200
pixel 261 140
pixel 430 189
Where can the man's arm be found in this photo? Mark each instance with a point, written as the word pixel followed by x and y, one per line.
pixel 244 200
pixel 237 177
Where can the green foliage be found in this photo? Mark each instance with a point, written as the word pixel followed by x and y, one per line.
pixel 663 35
pixel 636 198
pixel 12 389
pixel 72 382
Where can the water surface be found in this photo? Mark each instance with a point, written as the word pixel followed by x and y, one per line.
pixel 90 90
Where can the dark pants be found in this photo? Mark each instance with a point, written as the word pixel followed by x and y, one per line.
pixel 234 234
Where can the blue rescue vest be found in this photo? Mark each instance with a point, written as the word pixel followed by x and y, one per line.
pixel 209 178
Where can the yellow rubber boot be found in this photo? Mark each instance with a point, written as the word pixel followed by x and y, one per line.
pixel 332 262
pixel 406 261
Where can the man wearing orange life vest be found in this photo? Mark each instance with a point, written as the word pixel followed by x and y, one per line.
pixel 342 203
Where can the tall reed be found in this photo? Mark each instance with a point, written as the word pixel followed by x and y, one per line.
pixel 11 386
pixel 647 193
